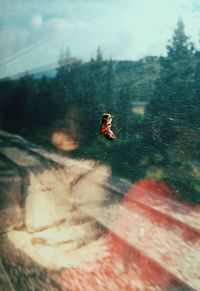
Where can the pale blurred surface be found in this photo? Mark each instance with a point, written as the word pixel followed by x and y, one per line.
pixel 65 226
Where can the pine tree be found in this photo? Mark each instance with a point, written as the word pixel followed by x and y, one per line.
pixel 195 116
pixel 172 116
pixel 99 56
pixel 124 115
pixel 170 107
pixel 109 83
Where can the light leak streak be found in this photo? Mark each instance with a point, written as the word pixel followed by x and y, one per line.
pixel 12 65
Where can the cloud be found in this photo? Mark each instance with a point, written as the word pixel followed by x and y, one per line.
pixel 37 21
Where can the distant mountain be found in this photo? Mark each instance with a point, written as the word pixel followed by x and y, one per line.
pixel 48 71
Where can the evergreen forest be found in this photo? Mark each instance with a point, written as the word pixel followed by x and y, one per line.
pixel 163 143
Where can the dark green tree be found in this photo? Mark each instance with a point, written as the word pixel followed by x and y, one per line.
pixel 23 102
pixel 172 120
pixel 195 118
pixel 7 87
pixel 170 109
pixel 125 119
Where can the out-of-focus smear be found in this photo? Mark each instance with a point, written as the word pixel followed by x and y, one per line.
pixel 66 139
pixel 62 140
pixel 57 232
pixel 72 225
pixel 149 245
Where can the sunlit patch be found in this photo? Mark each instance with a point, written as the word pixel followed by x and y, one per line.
pixel 57 233
pixel 62 140
pixel 48 199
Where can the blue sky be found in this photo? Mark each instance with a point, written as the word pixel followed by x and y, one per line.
pixel 32 33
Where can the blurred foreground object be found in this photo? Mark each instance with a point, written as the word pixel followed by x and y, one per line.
pixel 68 225
pixel 153 242
pixel 62 140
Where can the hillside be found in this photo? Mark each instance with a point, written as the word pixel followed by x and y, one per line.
pixel 139 75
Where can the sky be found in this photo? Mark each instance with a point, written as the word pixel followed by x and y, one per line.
pixel 33 33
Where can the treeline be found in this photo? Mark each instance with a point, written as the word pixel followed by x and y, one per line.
pixel 86 89
pixel 162 145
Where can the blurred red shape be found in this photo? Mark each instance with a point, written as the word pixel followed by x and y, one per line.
pixel 128 266
pixel 149 187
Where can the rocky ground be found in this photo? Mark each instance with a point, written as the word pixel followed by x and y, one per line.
pixel 64 225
